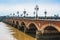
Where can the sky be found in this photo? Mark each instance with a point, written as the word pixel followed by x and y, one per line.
pixel 8 7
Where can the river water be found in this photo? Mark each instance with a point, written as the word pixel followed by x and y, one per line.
pixel 7 32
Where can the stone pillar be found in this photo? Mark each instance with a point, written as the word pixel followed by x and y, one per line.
pixel 38 35
pixel 25 30
pixel 18 27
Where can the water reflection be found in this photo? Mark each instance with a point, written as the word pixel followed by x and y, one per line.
pixel 9 33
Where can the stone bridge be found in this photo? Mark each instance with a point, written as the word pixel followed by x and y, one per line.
pixel 35 26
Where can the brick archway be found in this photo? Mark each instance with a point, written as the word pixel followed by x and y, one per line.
pixel 16 24
pixel 34 24
pixel 22 26
pixel 32 30
pixel 44 26
pixel 23 23
pixel 13 22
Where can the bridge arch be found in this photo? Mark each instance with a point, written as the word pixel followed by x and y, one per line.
pixel 22 26
pixel 52 26
pixel 50 32
pixel 16 24
pixel 13 22
pixel 36 25
pixel 32 29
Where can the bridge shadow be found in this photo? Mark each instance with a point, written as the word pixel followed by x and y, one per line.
pixel 22 26
pixel 17 24
pixel 31 31
pixel 50 33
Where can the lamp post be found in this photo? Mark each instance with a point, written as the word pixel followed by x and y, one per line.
pixel 27 15
pixel 34 14
pixel 45 13
pixel 10 14
pixel 36 9
pixel 21 15
pixel 24 12
pixel 18 13
pixel 13 15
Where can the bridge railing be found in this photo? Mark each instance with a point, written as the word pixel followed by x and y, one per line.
pixel 39 18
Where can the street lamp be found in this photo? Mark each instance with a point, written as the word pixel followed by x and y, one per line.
pixel 36 8
pixel 18 13
pixel 24 12
pixel 34 14
pixel 21 15
pixel 13 14
pixel 45 13
pixel 10 14
pixel 27 15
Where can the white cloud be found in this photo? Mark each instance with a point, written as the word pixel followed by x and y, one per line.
pixel 51 9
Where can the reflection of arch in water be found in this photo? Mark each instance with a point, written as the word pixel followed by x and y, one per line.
pixel 54 26
pixel 22 26
pixel 50 29
pixel 50 32
pixel 32 29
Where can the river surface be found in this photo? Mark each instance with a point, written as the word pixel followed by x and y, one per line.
pixel 7 32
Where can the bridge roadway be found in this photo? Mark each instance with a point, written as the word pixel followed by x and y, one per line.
pixel 7 32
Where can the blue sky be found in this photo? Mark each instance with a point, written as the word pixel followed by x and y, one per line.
pixel 11 6
pixel 28 1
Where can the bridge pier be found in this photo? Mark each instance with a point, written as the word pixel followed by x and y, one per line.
pixel 39 35
pixel 21 28
pixel 25 30
pixel 16 26
pixel 13 25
